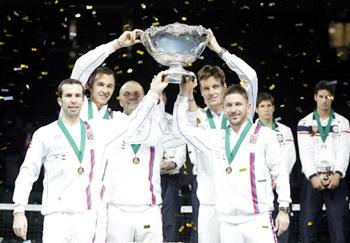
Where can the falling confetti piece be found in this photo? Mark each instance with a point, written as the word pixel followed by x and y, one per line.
pixel 6 98
pixel 140 52
pixel 272 86
pixel 143 6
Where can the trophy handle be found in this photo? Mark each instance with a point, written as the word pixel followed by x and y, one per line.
pixel 147 42
pixel 200 50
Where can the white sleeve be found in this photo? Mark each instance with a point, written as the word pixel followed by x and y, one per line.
pixel 343 148
pixel 288 149
pixel 247 76
pixel 88 62
pixel 277 169
pixel 132 129
pixel 176 155
pixel 30 169
pixel 200 139
pixel 306 149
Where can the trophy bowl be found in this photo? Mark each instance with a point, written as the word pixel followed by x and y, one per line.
pixel 176 45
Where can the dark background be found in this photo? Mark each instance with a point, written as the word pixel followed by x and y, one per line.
pixel 287 43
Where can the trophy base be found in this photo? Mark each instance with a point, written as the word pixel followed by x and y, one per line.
pixel 176 73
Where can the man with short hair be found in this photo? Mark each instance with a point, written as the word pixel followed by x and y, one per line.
pixel 212 86
pixel 324 148
pixel 243 157
pixel 100 81
pixel 70 151
pixel 133 175
pixel 265 108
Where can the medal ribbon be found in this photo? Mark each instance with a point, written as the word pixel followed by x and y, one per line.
pixel 91 113
pixel 273 125
pixel 212 123
pixel 324 131
pixel 135 148
pixel 230 155
pixel 78 153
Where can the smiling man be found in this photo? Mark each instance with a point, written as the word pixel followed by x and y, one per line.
pixel 100 81
pixel 212 84
pixel 242 159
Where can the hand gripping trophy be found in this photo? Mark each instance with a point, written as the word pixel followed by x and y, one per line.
pixel 176 45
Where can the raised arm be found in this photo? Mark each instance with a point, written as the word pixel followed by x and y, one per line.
pixel 246 74
pixel 133 129
pixel 88 62
pixel 199 138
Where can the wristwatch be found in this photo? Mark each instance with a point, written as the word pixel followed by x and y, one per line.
pixel 285 210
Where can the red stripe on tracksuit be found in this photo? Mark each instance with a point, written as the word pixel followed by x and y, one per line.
pixel 91 175
pixel 252 175
pixel 150 173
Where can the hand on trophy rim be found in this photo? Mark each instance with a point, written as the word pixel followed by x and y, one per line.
pixel 129 38
pixel 213 43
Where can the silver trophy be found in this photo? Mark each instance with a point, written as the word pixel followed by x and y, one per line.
pixel 176 45
pixel 325 170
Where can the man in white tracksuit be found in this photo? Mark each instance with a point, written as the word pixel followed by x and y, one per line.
pixel 70 151
pixel 212 86
pixel 324 147
pixel 265 107
pixel 243 158
pixel 133 177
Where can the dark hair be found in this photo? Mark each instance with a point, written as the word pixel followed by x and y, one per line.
pixel 69 81
pixel 208 71
pixel 100 71
pixel 323 84
pixel 264 96
pixel 236 89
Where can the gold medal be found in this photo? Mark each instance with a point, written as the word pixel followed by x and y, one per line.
pixel 136 160
pixel 80 170
pixel 228 170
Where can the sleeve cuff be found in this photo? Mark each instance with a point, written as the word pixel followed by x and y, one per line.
pixel 18 209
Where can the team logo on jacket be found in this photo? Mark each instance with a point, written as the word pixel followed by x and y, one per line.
pixel 336 129
pixel 253 139
pixel 280 137
pixel 89 135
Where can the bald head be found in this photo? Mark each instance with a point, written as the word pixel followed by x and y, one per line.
pixel 130 95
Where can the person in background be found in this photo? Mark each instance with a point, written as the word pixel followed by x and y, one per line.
pixel 324 149
pixel 265 108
